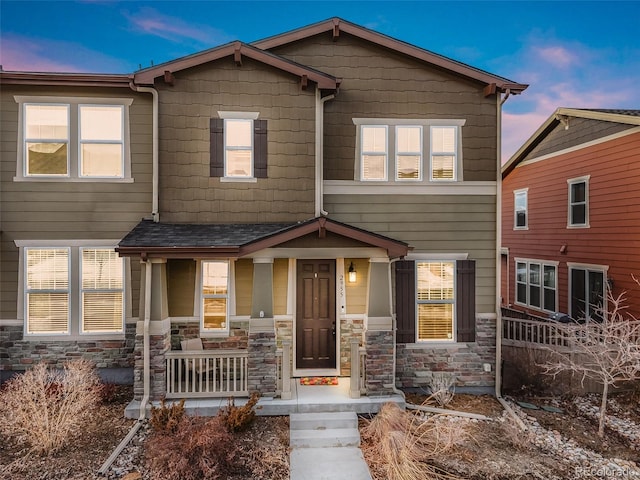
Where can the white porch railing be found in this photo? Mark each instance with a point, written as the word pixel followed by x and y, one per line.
pixel 356 384
pixel 283 370
pixel 207 373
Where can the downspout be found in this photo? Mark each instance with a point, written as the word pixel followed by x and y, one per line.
pixel 320 101
pixel 498 383
pixel 155 215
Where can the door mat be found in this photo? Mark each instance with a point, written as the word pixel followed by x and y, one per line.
pixel 319 381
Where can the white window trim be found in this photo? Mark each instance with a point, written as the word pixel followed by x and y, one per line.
pixel 231 299
pixel 73 148
pixel 457 168
pixel 74 290
pixel 521 191
pixel 419 153
pixel 542 263
pixel 101 142
pixel 232 115
pixel 426 148
pixel 385 176
pixel 454 326
pixel 570 183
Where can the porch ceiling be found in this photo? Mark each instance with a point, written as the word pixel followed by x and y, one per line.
pixel 179 240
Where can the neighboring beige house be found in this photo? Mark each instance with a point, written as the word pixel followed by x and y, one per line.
pixel 321 202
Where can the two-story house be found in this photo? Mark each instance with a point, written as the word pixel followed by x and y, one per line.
pixel 571 215
pixel 290 207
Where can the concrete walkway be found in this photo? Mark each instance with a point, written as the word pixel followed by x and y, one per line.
pixel 325 446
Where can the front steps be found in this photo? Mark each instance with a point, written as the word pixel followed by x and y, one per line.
pixel 323 430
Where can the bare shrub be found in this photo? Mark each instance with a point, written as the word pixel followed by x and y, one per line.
pixel 237 419
pixel 197 449
pixel 166 418
pixel 405 444
pixel 442 386
pixel 44 407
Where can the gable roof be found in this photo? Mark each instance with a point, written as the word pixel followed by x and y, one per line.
pixel 338 25
pixel 629 117
pixel 182 240
pixel 238 50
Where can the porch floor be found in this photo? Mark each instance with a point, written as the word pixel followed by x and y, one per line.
pixel 304 399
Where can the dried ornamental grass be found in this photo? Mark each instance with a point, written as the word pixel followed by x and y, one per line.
pixel 46 407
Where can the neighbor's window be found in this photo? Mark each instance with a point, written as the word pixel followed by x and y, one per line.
pixel 374 152
pixel 578 202
pixel 408 152
pixel 588 292
pixel 215 295
pixel 238 144
pixel 46 140
pixel 101 141
pixel 101 291
pixel 443 153
pixel 47 280
pixel 436 300
pixel 536 284
pixel 520 209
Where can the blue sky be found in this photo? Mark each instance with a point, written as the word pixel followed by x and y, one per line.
pixel 573 54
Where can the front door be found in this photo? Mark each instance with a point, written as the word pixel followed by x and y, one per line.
pixel 316 314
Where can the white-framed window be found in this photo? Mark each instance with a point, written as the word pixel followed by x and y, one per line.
pixel 520 217
pixel 73 290
pixel 444 154
pixel 397 150
pixel 578 195
pixel 588 287
pixel 408 152
pixel 435 291
pixel 73 139
pixel 214 306
pixel 238 147
pixel 537 284
pixel 374 152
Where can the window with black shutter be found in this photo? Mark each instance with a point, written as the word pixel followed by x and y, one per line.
pixel 238 148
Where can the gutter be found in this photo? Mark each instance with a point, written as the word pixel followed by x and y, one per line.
pixel 320 101
pixel 498 382
pixel 155 215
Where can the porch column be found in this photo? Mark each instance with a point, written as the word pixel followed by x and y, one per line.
pixel 262 332
pixel 379 330
pixel 159 332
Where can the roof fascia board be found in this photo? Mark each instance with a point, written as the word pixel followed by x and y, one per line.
pixel 65 79
pixel 324 81
pixel 178 252
pixel 604 116
pixel 392 44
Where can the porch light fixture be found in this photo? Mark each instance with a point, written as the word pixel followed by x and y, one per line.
pixel 353 276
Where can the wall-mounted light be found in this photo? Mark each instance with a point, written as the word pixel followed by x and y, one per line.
pixel 353 276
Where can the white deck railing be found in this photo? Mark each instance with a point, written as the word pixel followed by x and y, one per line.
pixel 207 373
pixel 518 330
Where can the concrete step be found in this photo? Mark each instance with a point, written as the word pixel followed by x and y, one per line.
pixel 323 421
pixel 339 437
pixel 328 464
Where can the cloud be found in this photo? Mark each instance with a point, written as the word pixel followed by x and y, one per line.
pixel 30 54
pixel 149 21
pixel 565 74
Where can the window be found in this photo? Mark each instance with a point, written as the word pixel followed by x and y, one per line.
pixel 578 202
pixel 520 209
pixel 435 300
pixel 536 284
pixel 73 290
pixel 73 139
pixel 374 152
pixel 408 153
pixel 215 296
pixel 238 147
pixel 443 153
pixel 397 150
pixel 587 292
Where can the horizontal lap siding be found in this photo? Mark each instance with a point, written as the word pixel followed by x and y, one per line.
pixel 613 238
pixel 187 193
pixel 430 224
pixel 63 210
pixel 381 84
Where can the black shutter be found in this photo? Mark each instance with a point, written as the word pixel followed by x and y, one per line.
pixel 466 300
pixel 216 148
pixel 406 301
pixel 260 148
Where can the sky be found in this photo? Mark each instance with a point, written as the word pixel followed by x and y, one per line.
pixel 582 54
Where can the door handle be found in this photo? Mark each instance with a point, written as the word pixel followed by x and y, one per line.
pixel 333 328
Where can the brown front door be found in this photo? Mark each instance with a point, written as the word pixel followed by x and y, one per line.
pixel 316 314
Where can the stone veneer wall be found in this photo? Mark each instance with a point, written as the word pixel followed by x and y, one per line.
pixel 464 360
pixel 379 362
pixel 349 328
pixel 17 354
pixel 262 363
pixel 158 346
